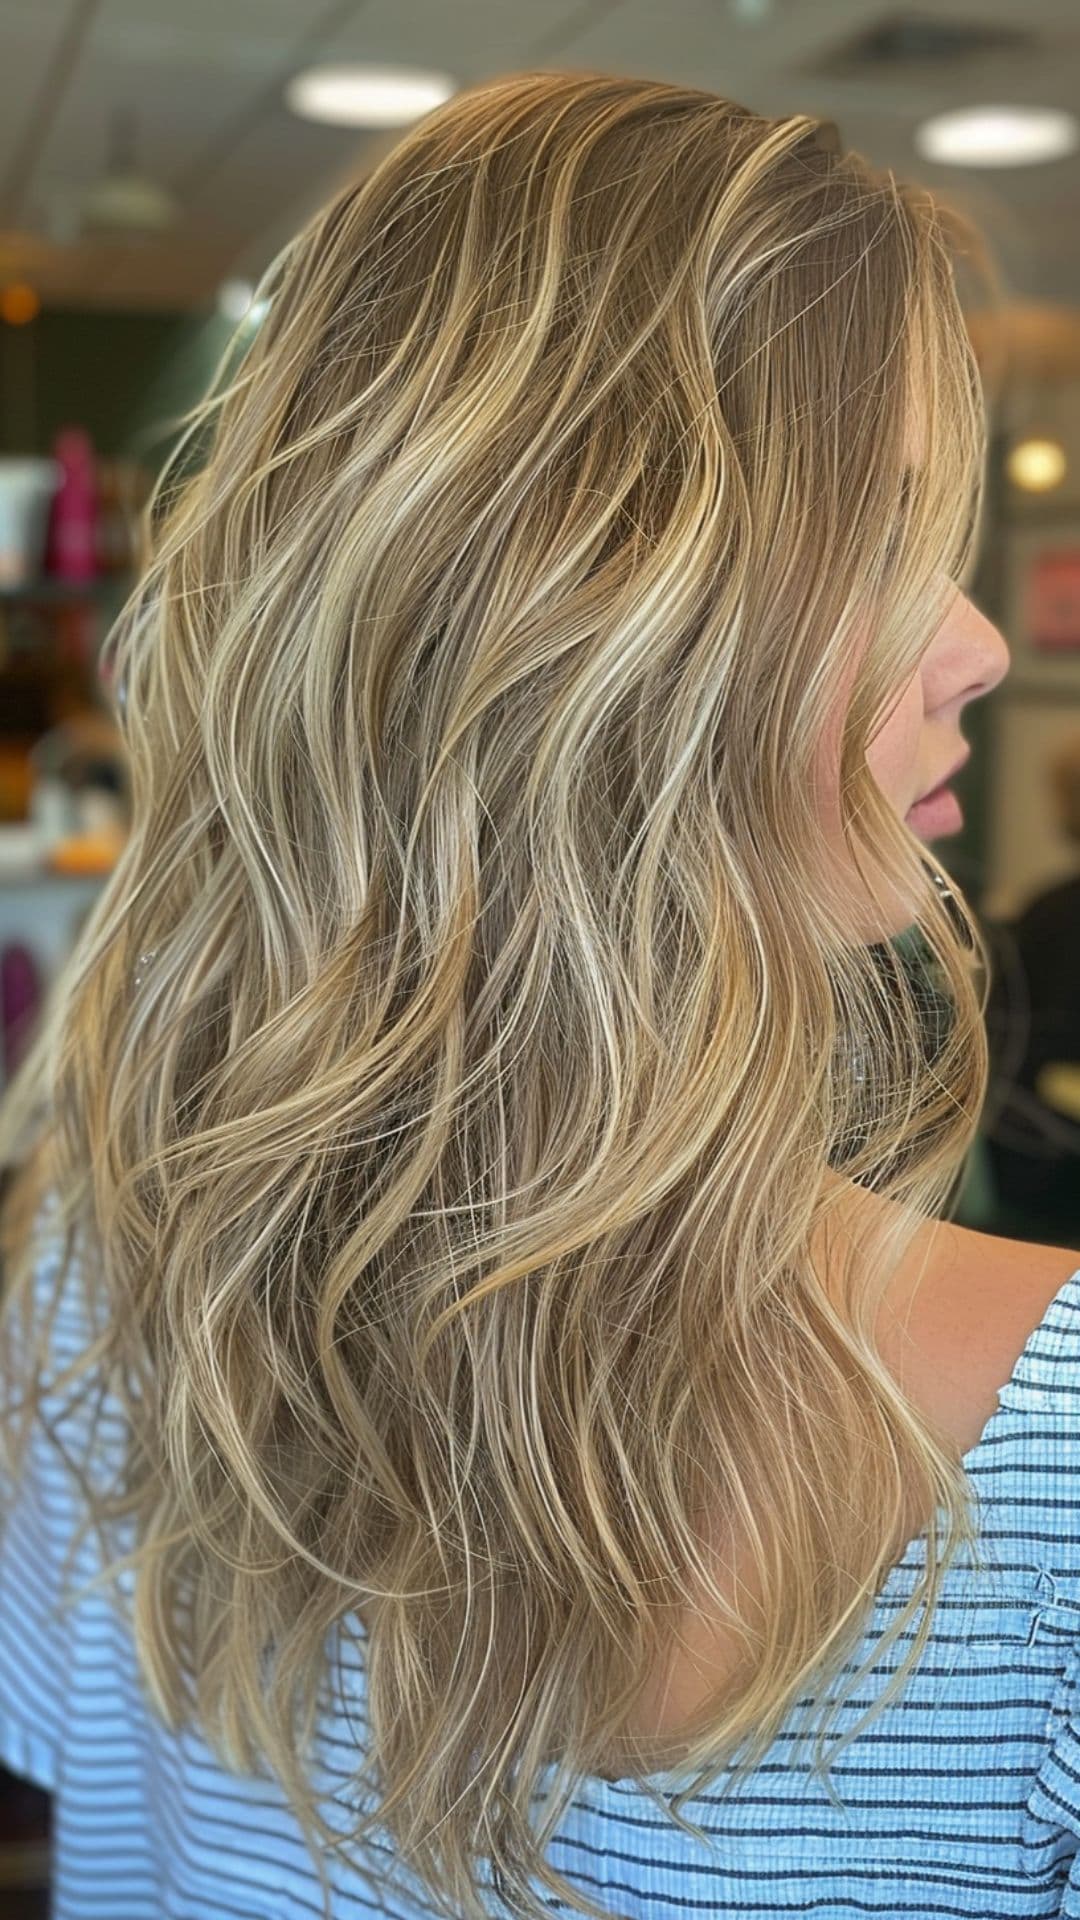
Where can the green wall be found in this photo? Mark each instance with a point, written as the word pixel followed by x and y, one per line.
pixel 119 375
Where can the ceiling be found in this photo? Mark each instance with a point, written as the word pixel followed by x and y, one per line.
pixel 205 78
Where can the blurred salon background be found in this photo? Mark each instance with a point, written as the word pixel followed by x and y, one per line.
pixel 155 156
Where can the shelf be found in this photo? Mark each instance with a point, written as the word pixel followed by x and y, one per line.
pixel 58 592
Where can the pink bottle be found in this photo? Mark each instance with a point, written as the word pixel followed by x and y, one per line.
pixel 70 552
pixel 21 991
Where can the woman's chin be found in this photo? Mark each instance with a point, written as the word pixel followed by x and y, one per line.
pixel 884 915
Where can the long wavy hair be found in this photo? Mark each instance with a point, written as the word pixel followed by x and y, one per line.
pixel 450 1087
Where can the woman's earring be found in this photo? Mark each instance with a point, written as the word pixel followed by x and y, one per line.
pixel 952 906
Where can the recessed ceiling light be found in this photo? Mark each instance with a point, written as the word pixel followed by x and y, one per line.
pixel 997 136
pixel 361 96
pixel 1036 465
pixel 234 298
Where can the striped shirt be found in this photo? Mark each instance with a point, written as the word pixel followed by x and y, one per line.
pixel 961 1798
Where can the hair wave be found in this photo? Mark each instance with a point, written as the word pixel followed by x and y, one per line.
pixel 453 1078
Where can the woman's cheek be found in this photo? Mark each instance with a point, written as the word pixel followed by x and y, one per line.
pixel 893 754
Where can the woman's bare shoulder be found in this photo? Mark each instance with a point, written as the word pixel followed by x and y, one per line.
pixel 955 1263
pixel 1026 1265
pixel 958 1310
pixel 966 1323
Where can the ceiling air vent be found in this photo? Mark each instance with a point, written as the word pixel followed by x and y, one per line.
pixel 907 40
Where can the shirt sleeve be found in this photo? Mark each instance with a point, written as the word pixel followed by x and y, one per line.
pixel 31 1634
pixel 1051 1830
pixel 37 1519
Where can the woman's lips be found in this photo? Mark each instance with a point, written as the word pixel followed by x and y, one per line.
pixel 935 814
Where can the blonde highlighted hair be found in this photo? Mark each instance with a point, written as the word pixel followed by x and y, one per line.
pixel 451 1083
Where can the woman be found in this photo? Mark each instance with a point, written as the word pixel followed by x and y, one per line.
pixel 487 1153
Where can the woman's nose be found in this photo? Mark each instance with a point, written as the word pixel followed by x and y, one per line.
pixel 999 659
pixel 982 656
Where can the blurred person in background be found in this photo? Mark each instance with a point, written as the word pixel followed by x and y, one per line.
pixel 1032 1126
